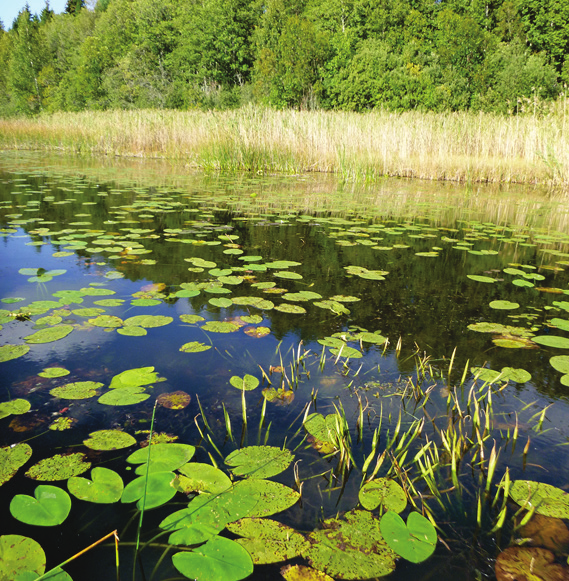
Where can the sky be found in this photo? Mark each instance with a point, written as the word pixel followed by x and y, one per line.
pixel 9 9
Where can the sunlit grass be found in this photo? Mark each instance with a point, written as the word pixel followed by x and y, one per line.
pixel 462 146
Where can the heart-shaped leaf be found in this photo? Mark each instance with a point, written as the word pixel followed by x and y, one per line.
pixel 48 507
pixel 106 486
pixel 414 541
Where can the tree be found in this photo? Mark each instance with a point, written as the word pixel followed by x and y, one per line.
pixel 74 6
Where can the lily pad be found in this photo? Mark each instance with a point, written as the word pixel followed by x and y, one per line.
pixel 246 383
pixel 109 440
pixel 415 541
pixel 59 467
pixel 77 390
pixel 259 461
pixel 220 327
pixel 49 335
pixel 163 457
pixel 191 319
pixel 106 486
pixel 174 400
pixel 124 396
pixel 19 554
pixel 269 497
pixel 51 372
pixel 291 309
pixel 134 378
pixel 560 363
pixel 48 507
pixel 204 478
pixel 384 492
pixel 14 407
pixel 222 302
pixel 158 489
pixel 268 541
pixel 219 558
pixel 479 278
pixel 145 303
pixel 353 548
pixel 132 331
pixel 303 573
pixel 194 347
pixel 11 459
pixel 547 499
pixel 148 321
pixel 552 341
pixel 9 352
pixel 518 562
pixel 504 305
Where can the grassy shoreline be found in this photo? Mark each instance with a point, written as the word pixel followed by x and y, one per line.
pixel 476 147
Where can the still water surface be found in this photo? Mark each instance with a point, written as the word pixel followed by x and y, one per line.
pixel 342 298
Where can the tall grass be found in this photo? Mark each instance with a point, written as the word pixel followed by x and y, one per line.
pixel 462 146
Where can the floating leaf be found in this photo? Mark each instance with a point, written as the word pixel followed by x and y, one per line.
pixel 174 400
pixel 11 459
pixel 220 302
pixel 353 548
pixel 219 558
pixel 303 573
pixel 479 278
pixel 252 319
pixel 287 274
pixel 269 497
pixel 545 531
pixel 77 390
pixel 346 351
pixel 547 500
pixel 291 309
pixel 19 554
pixel 124 396
pixel 9 352
pixel 49 335
pixel 106 486
pixel 247 383
pixel 191 319
pixel 415 541
pixel 220 327
pixel 503 305
pixel 522 282
pixel 109 440
pixel 96 292
pixel 194 347
pixel 552 341
pixel 106 321
pixel 61 423
pixel 132 331
pixel 109 302
pixel 560 363
pixel 148 321
pixel 384 492
pixel 163 457
pixel 158 489
pixel 145 303
pixel 134 378
pixel 51 372
pixel 520 562
pixel 257 332
pixel 48 507
pixel 268 541
pixel 59 467
pixel 92 312
pixel 259 461
pixel 14 407
pixel 204 478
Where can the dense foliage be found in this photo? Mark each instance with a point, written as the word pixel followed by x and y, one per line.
pixel 491 55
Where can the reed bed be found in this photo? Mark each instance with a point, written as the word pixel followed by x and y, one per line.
pixel 460 146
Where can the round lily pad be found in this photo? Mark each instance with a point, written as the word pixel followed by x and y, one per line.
pixel 148 321
pixel 109 440
pixel 14 407
pixel 204 478
pixel 106 486
pixel 77 390
pixel 479 278
pixel 106 321
pixel 174 400
pixel 504 305
pixel 163 457
pixel 220 302
pixel 220 327
pixel 9 352
pixel 51 372
pixel 259 461
pixel 552 341
pixel 560 363
pixel 384 492
pixel 12 458
pixel 247 383
pixel 59 467
pixel 520 562
pixel 132 331
pixel 49 506
pixel 134 378
pixel 19 554
pixel 415 541
pixel 287 274
pixel 194 347
pixel 124 396
pixel 49 335
pixel 191 319
pixel 158 490
pixel 291 309
pixel 548 500
pixel 303 573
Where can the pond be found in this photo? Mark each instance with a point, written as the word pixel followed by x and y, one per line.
pixel 339 381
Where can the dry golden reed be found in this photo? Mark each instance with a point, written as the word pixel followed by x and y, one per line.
pixel 461 146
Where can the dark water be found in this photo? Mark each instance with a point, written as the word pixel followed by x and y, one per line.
pixel 136 231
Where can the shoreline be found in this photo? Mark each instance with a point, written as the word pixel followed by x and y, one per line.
pixel 458 147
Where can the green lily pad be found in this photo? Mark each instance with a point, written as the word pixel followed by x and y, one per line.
pixel 252 319
pixel 291 309
pixel 334 306
pixel 346 351
pixel 96 292
pixel 303 573
pixel 48 321
pixel 479 278
pixel 287 274
pixel 52 372
pixel 268 541
pixel 14 407
pixel 11 459
pixel 59 467
pixel 48 507
pixel 204 478
pixel 124 396
pixel 552 341
pixel 191 319
pixel 374 338
pixel 145 303
pixel 158 490
pixel 186 294
pixel 222 302
pixel 522 282
pixel 504 305
pixel 246 383
pixel 219 558
pixel 148 321
pixel 106 486
pixel 134 378
pixel 353 548
pixel 61 423
pixel 415 541
pixel 384 492
pixel 106 321
pixel 109 302
pixel 77 390
pixel 92 312
pixel 163 457
pixel 220 327
pixel 194 347
pixel 49 335
pixel 547 499
pixel 132 331
pixel 109 440
pixel 560 363
pixel 9 352
pixel 259 461
pixel 19 554
pixel 269 497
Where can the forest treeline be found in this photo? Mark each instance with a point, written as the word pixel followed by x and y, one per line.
pixel 436 55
